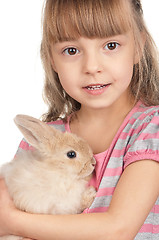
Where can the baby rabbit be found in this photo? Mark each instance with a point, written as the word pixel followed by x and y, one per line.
pixel 51 178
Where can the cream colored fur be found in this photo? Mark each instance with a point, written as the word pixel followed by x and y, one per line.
pixel 46 180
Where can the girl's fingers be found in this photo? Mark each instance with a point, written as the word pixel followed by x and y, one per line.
pixel 5 199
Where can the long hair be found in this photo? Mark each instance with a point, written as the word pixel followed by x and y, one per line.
pixel 69 19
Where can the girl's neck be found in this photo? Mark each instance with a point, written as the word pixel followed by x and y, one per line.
pixel 99 127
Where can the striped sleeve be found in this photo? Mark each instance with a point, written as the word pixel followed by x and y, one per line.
pixel 144 144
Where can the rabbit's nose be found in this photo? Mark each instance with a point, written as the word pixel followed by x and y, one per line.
pixel 93 162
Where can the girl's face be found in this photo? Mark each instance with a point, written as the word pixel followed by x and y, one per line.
pixel 96 72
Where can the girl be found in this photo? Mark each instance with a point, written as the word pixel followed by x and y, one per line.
pixel 102 82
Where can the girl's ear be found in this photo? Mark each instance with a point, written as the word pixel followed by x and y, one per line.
pixel 140 49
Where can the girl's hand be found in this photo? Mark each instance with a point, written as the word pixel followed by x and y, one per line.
pixel 7 210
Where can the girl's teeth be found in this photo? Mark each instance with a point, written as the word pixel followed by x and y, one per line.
pixel 95 87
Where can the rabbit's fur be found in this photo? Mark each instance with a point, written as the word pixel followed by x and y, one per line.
pixel 46 179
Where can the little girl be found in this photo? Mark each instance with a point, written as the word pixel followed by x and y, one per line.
pixel 102 83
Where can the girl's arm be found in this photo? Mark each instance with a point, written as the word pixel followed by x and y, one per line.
pixel 134 197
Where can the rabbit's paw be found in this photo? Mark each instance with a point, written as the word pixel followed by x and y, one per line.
pixel 88 197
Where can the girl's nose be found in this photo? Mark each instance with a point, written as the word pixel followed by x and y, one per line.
pixel 92 64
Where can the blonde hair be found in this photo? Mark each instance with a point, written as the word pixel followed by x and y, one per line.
pixel 70 19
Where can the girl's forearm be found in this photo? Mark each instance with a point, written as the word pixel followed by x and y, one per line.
pixel 63 227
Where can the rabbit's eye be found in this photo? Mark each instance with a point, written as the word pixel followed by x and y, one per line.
pixel 71 154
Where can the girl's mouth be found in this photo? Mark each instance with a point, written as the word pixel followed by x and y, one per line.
pixel 96 89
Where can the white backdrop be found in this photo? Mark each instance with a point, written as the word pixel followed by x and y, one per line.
pixel 21 74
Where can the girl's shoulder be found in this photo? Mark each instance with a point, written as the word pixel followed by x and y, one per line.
pixel 58 124
pixel 141 122
pixel 142 115
pixel 142 111
pixel 141 135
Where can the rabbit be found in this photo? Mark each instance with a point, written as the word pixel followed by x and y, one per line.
pixel 52 177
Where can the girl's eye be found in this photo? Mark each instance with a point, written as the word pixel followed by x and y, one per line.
pixel 112 46
pixel 71 51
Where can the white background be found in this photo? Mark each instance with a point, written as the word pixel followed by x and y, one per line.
pixel 21 74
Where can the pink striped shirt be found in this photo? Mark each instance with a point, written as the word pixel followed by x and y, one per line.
pixel 137 139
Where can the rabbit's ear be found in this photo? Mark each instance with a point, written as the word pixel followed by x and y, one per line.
pixel 36 132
